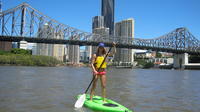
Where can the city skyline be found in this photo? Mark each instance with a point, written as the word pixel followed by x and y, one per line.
pixel 152 19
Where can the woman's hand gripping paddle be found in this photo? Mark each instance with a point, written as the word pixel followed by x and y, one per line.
pixel 79 103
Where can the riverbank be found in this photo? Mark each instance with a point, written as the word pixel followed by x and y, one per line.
pixel 28 60
pixel 22 57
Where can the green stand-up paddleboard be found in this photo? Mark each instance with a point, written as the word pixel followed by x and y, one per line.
pixel 97 104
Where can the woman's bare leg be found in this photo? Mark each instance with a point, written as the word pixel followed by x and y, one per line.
pixel 93 87
pixel 103 86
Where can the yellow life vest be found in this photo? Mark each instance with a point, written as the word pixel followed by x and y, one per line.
pixel 98 62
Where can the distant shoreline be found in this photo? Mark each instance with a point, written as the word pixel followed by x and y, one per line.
pixel 87 65
pixel 57 65
pixel 28 60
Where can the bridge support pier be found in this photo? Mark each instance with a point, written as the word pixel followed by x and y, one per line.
pixel 180 60
pixel 74 54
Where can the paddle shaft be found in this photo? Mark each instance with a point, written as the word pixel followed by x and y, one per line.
pixel 98 69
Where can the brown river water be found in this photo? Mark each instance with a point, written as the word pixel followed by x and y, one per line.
pixel 54 89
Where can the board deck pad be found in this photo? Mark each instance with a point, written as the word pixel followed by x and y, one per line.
pixel 98 104
pixel 110 105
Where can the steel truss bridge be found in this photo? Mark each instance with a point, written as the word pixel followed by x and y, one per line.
pixel 26 23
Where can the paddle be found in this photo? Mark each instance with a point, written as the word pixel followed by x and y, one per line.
pixel 79 103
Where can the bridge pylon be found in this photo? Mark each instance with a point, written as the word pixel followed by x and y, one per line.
pixel 180 60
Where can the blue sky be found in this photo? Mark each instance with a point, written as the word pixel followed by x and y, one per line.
pixel 153 18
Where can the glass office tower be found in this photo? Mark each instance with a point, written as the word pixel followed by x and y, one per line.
pixel 108 12
pixel 97 22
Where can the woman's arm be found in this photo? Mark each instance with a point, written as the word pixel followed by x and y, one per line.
pixel 113 51
pixel 92 63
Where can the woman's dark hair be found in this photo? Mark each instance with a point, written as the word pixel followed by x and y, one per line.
pixel 103 52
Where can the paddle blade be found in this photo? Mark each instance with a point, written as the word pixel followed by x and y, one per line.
pixel 79 103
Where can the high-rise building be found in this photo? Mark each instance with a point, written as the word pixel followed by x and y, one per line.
pixel 124 31
pixel 54 50
pixel 98 26
pixel 108 7
pixel 103 32
pixel 97 22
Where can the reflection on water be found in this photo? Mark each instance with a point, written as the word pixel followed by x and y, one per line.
pixel 51 89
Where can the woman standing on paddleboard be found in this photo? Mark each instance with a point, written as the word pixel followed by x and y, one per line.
pixel 97 60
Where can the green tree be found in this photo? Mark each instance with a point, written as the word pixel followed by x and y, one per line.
pixel 148 65
pixel 20 51
pixel 4 52
pixel 158 55
pixel 194 59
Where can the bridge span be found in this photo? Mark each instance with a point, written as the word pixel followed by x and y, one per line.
pixel 95 43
